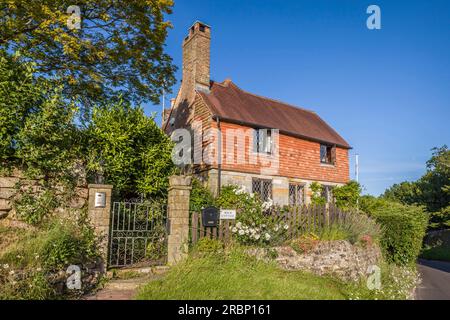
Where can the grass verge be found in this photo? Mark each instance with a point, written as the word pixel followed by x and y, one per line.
pixel 235 275
pixel 232 274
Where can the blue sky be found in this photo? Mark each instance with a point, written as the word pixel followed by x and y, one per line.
pixel 387 92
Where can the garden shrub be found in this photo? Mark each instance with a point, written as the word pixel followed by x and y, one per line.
pixel 404 227
pixel 346 196
pixel 129 150
pixel 255 222
pixel 34 208
pixel 209 246
pixel 316 195
pixel 200 197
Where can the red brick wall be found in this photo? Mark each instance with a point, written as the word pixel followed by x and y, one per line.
pixel 297 159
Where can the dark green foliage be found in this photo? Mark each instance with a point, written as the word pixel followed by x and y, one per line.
pixel 129 149
pixel 403 228
pixel 346 196
pixel 441 219
pixel 405 192
pixel 200 197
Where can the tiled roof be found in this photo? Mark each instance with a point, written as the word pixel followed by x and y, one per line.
pixel 230 103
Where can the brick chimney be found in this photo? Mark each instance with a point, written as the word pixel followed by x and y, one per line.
pixel 196 59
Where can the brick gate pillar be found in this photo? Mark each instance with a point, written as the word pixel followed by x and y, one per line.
pixel 99 212
pixel 178 215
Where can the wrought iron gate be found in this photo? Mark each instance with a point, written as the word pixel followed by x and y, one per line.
pixel 138 234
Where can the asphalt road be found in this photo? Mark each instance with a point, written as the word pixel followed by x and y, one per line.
pixel 435 280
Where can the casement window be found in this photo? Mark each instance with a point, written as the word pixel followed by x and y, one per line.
pixel 327 193
pixel 262 141
pixel 296 194
pixel 263 188
pixel 327 154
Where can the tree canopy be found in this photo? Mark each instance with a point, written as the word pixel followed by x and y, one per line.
pixel 432 189
pixel 118 49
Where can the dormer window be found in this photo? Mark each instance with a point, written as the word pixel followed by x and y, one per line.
pixel 327 154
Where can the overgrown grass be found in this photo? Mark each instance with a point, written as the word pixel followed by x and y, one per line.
pixel 28 263
pixel 234 275
pixel 231 274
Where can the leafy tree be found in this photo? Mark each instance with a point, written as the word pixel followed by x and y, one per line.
pixel 119 47
pixel 405 192
pixel 18 97
pixel 129 149
pixel 432 190
pixel 435 184
pixel 37 131
pixel 48 141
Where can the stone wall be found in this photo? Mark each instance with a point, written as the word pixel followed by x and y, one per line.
pixel 9 191
pixel 337 258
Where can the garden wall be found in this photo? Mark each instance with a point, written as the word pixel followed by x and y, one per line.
pixel 9 190
pixel 337 258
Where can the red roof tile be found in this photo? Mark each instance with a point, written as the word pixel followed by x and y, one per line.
pixel 230 103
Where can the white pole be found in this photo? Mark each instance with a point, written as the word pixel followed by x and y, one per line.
pixel 163 106
pixel 357 177
pixel 357 167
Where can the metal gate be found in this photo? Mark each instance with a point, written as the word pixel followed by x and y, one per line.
pixel 138 234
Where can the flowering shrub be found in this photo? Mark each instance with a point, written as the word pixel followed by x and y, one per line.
pixel 255 223
pixel 263 234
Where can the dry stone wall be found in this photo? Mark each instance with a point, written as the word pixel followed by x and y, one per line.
pixel 9 190
pixel 337 258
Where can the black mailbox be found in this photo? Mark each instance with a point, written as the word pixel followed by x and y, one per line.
pixel 210 217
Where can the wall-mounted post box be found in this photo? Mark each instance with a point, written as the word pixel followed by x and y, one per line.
pixel 100 200
pixel 210 217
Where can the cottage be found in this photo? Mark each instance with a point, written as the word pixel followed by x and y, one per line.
pixel 263 145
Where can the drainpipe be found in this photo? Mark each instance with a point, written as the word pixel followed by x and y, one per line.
pixel 219 156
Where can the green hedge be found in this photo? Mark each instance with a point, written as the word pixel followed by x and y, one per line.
pixel 403 226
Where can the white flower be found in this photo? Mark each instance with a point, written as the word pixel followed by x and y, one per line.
pixel 241 232
pixel 276 228
pixel 238 225
pixel 263 225
pixel 252 195
pixel 252 230
pixel 286 227
pixel 241 190
pixel 5 266
pixel 11 272
pixel 234 230
pixel 246 231
pixel 257 236
pixel 267 205
pixel 267 236
pixel 38 269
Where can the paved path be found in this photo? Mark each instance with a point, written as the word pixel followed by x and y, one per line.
pixel 121 289
pixel 435 280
